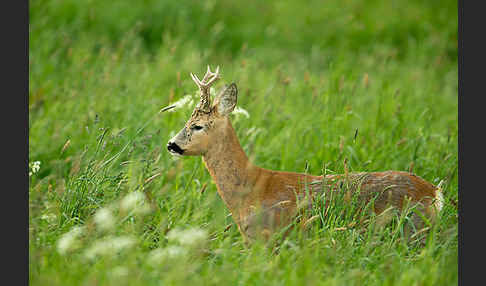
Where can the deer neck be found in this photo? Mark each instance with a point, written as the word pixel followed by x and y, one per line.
pixel 229 167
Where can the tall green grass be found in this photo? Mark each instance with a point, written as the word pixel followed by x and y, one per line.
pixel 370 82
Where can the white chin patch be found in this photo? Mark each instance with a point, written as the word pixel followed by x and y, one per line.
pixel 175 157
pixel 175 154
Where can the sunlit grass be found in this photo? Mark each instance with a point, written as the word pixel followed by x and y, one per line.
pixel 371 83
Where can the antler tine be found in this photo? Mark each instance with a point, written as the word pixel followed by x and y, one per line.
pixel 213 79
pixel 208 79
pixel 204 85
pixel 210 75
pixel 207 75
pixel 196 80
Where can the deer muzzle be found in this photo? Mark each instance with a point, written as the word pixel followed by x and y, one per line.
pixel 175 143
pixel 173 148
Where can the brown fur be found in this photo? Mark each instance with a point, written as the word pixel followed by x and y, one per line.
pixel 263 201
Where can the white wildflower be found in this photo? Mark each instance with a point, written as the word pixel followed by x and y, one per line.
pixel 135 202
pixel 109 245
pixel 69 240
pixel 240 111
pixel 253 132
pixel 34 167
pixel 49 217
pixel 48 213
pixel 104 219
pixel 183 102
pixel 158 255
pixel 188 237
pixel 119 271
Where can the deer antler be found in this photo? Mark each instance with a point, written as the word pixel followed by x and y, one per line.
pixel 204 87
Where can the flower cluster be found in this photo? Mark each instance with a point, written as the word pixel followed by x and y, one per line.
pixel 34 167
pixel 109 245
pixel 240 111
pixel 104 235
pixel 104 220
pixel 181 243
pixel 188 237
pixel 135 202
pixel 185 101
pixel 160 255
pixel 70 240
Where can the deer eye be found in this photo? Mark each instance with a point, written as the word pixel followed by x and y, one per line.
pixel 196 127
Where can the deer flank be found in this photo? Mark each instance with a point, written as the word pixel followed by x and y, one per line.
pixel 264 201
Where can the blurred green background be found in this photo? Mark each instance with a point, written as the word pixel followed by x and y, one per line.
pixel 373 82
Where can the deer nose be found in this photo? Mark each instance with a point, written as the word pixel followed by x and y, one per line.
pixel 174 148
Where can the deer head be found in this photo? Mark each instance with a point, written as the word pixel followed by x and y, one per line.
pixel 208 119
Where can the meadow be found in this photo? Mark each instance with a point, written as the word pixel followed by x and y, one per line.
pixel 370 83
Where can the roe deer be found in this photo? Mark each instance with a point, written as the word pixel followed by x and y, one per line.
pixel 246 188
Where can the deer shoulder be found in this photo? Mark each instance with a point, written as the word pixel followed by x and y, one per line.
pixel 264 201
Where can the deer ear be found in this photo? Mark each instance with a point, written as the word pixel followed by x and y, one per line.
pixel 226 100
